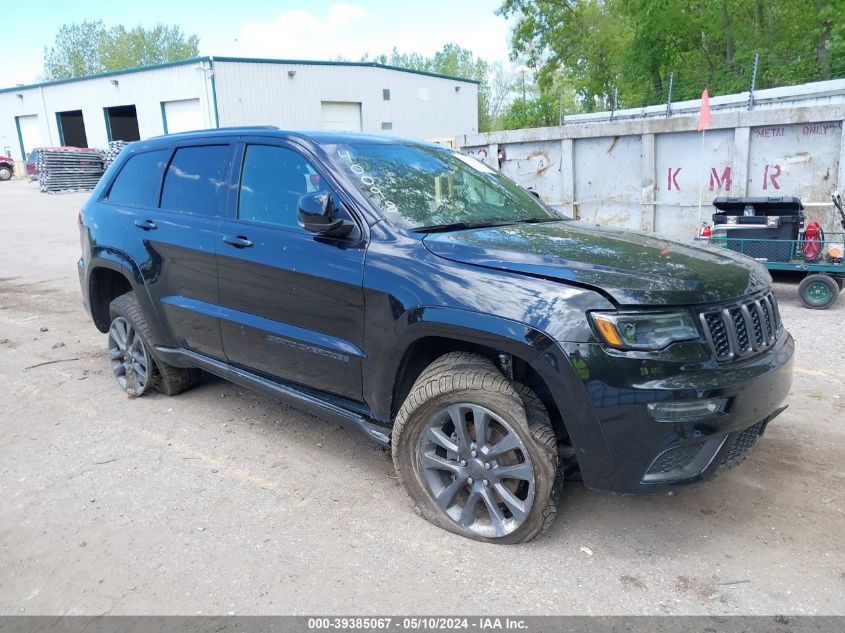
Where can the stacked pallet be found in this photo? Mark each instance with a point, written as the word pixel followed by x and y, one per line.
pixel 68 170
pixel 115 147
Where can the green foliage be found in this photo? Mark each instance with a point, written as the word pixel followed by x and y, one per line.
pixel 593 46
pixel 89 48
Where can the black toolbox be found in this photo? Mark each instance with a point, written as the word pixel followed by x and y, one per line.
pixel 760 219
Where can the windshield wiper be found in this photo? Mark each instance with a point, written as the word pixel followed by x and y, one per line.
pixel 537 220
pixel 459 226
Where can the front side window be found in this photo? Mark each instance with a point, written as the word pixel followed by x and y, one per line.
pixel 272 181
pixel 138 182
pixel 196 180
pixel 417 186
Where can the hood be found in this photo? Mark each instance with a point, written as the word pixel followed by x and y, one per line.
pixel 629 267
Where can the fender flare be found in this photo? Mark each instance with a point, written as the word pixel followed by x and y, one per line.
pixel 121 262
pixel 523 341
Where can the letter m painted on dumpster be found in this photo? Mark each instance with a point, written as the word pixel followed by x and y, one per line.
pixel 721 183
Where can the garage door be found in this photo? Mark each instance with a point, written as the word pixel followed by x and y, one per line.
pixel 30 132
pixel 184 115
pixel 341 116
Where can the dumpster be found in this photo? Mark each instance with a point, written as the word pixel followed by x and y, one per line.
pixel 778 219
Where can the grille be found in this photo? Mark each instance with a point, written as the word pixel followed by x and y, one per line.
pixel 674 459
pixel 742 329
pixel 741 446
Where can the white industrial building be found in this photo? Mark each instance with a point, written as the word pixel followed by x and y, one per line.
pixel 209 92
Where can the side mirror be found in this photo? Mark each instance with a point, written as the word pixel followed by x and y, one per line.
pixel 533 193
pixel 316 216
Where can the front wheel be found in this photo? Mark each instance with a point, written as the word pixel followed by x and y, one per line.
pixel 818 291
pixel 5 172
pixel 474 456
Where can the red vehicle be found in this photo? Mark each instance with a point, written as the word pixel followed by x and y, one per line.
pixel 7 167
pixel 32 161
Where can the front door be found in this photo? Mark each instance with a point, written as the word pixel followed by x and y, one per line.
pixel 291 302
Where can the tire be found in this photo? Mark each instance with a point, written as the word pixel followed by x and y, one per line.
pixel 840 281
pixel 5 172
pixel 818 291
pixel 515 460
pixel 165 378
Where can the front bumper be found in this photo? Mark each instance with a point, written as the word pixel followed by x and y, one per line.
pixel 643 455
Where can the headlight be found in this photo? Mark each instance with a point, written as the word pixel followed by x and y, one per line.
pixel 644 331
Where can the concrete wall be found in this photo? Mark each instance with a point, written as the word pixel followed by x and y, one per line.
pixel 645 170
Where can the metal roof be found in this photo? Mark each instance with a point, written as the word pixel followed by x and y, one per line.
pixel 244 60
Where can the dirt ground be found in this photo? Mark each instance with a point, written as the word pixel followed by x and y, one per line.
pixel 222 501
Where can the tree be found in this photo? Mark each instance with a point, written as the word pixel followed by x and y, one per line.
pixel 89 48
pixel 597 46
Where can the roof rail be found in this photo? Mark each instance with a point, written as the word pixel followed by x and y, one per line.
pixel 244 127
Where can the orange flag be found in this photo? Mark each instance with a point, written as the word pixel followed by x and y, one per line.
pixel 704 113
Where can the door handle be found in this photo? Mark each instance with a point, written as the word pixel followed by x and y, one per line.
pixel 146 225
pixel 238 241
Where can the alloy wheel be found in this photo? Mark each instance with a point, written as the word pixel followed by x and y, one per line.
pixel 129 357
pixel 477 469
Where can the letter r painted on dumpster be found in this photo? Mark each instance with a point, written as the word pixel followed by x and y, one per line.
pixel 771 174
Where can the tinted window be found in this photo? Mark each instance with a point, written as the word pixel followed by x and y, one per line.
pixel 138 181
pixel 196 180
pixel 272 181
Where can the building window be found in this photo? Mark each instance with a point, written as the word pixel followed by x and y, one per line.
pixel 385 94
pixel 386 125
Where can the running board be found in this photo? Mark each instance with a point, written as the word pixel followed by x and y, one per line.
pixel 285 392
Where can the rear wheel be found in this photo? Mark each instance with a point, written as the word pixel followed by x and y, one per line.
pixel 818 291
pixel 131 342
pixel 476 458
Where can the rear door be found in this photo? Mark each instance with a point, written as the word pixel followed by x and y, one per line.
pixel 173 239
pixel 291 302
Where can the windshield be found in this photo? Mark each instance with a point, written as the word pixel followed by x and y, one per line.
pixel 418 187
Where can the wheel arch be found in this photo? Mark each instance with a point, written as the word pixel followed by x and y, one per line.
pixel 539 362
pixel 428 333
pixel 112 273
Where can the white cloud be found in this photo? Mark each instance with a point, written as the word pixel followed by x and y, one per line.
pixel 350 31
pixel 299 34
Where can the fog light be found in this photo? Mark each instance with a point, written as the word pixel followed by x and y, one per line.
pixel 685 411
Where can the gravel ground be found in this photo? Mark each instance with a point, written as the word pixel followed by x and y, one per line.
pixel 222 501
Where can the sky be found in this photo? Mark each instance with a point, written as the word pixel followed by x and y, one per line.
pixel 290 29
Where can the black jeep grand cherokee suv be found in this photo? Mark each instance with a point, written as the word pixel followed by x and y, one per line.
pixel 414 293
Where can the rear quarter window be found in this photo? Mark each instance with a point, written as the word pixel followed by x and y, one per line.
pixel 196 181
pixel 137 184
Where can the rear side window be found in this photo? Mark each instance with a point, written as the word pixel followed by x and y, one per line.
pixel 138 181
pixel 196 180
